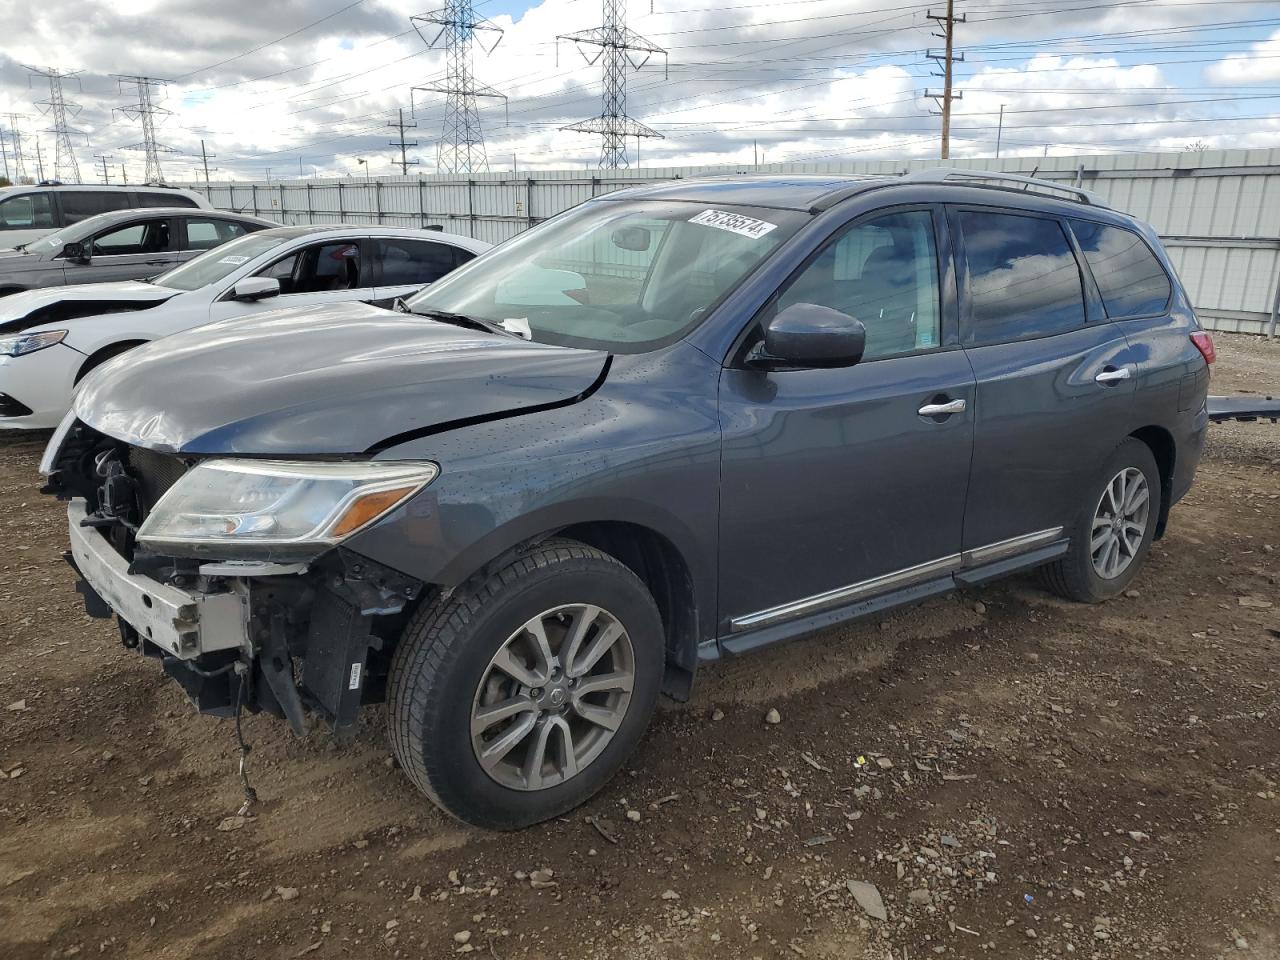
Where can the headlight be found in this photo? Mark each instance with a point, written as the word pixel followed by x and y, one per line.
pixel 273 509
pixel 21 343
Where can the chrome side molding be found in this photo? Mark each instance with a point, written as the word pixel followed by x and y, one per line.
pixel 899 578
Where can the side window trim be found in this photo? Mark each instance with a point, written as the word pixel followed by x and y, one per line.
pixel 1094 310
pixel 945 277
pixel 953 211
pixel 1084 261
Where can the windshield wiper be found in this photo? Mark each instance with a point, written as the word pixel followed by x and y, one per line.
pixel 462 320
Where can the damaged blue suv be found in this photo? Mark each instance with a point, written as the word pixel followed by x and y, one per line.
pixel 673 424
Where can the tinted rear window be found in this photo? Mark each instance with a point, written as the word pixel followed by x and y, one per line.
pixel 1024 281
pixel 1129 276
pixel 79 205
pixel 164 200
pixel 414 261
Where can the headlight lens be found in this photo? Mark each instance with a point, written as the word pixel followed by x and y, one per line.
pixel 21 343
pixel 274 509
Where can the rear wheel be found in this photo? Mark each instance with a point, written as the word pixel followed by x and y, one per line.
pixel 520 695
pixel 1113 533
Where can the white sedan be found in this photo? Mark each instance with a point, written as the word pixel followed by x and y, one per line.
pixel 49 339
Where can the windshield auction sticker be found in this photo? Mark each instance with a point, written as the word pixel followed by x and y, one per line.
pixel 234 261
pixel 734 223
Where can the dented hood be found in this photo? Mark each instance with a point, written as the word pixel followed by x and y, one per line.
pixel 33 308
pixel 345 378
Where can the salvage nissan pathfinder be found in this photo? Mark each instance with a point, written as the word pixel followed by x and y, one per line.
pixel 672 424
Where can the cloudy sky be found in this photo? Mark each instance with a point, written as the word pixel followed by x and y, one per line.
pixel 311 85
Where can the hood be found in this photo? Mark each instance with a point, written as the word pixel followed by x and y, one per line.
pixel 346 378
pixel 34 308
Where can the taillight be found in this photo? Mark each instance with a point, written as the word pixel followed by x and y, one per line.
pixel 1204 343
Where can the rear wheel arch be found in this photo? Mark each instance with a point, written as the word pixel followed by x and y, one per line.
pixel 1162 446
pixel 103 354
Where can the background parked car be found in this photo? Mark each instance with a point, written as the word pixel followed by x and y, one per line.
pixel 50 338
pixel 124 245
pixel 28 213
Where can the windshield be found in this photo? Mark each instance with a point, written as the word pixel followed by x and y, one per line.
pixel 212 265
pixel 625 275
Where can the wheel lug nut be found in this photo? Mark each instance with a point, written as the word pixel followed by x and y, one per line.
pixel 537 692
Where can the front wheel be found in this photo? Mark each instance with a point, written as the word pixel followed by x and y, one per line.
pixel 519 696
pixel 1112 536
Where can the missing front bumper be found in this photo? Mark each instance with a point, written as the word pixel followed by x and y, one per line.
pixel 182 623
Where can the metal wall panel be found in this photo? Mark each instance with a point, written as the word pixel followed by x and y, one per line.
pixel 1219 211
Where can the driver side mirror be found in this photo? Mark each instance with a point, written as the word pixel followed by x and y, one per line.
pixel 807 335
pixel 76 252
pixel 256 288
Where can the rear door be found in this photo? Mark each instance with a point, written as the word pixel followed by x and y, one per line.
pixel 140 248
pixel 404 265
pixel 841 484
pixel 204 233
pixel 1055 378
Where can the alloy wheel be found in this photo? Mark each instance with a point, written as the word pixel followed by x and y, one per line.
pixel 1120 523
pixel 552 697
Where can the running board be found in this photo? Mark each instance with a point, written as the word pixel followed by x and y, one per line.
pixel 1243 407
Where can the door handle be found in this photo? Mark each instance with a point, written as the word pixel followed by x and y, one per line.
pixel 1113 376
pixel 942 409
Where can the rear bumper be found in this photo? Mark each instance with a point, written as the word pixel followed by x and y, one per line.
pixel 1190 448
pixel 182 623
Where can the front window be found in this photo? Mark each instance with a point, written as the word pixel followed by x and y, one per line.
pixel 213 265
pixel 622 275
pixel 54 242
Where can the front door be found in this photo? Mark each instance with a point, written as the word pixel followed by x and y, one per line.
pixel 134 251
pixel 1055 377
pixel 331 271
pixel 843 484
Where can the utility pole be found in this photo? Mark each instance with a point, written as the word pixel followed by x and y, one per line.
pixel 39 164
pixel 106 176
pixel 124 174
pixel 146 111
pixel 402 144
pixel 947 58
pixel 204 158
pixel 462 143
pixel 58 108
pixel 5 154
pixel 1000 131
pixel 618 48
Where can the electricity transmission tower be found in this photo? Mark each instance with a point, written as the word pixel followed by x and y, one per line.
pixel 15 137
pixel 618 47
pixel 146 111
pixel 57 108
pixel 462 142
pixel 404 161
pixel 947 58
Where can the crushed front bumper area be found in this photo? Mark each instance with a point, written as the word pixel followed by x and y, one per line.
pixel 183 623
pixel 279 638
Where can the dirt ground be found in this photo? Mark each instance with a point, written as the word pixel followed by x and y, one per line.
pixel 1018 777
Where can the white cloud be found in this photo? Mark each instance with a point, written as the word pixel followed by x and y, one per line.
pixel 1259 65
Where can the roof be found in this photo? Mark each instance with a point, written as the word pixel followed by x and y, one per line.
pixel 372 230
pixel 96 187
pixel 782 192
pixel 816 193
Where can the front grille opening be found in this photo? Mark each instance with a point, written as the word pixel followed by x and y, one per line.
pixel 154 473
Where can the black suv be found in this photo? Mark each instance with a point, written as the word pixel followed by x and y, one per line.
pixel 676 423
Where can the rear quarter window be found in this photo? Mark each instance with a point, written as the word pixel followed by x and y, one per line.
pixel 1024 281
pixel 80 205
pixel 1130 278
pixel 146 199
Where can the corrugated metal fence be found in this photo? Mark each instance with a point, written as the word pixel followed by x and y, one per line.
pixel 1218 211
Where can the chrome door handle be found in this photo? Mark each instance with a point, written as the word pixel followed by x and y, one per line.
pixel 1113 376
pixel 942 409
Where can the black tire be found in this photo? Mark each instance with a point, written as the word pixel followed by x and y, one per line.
pixel 1074 576
pixel 446 649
